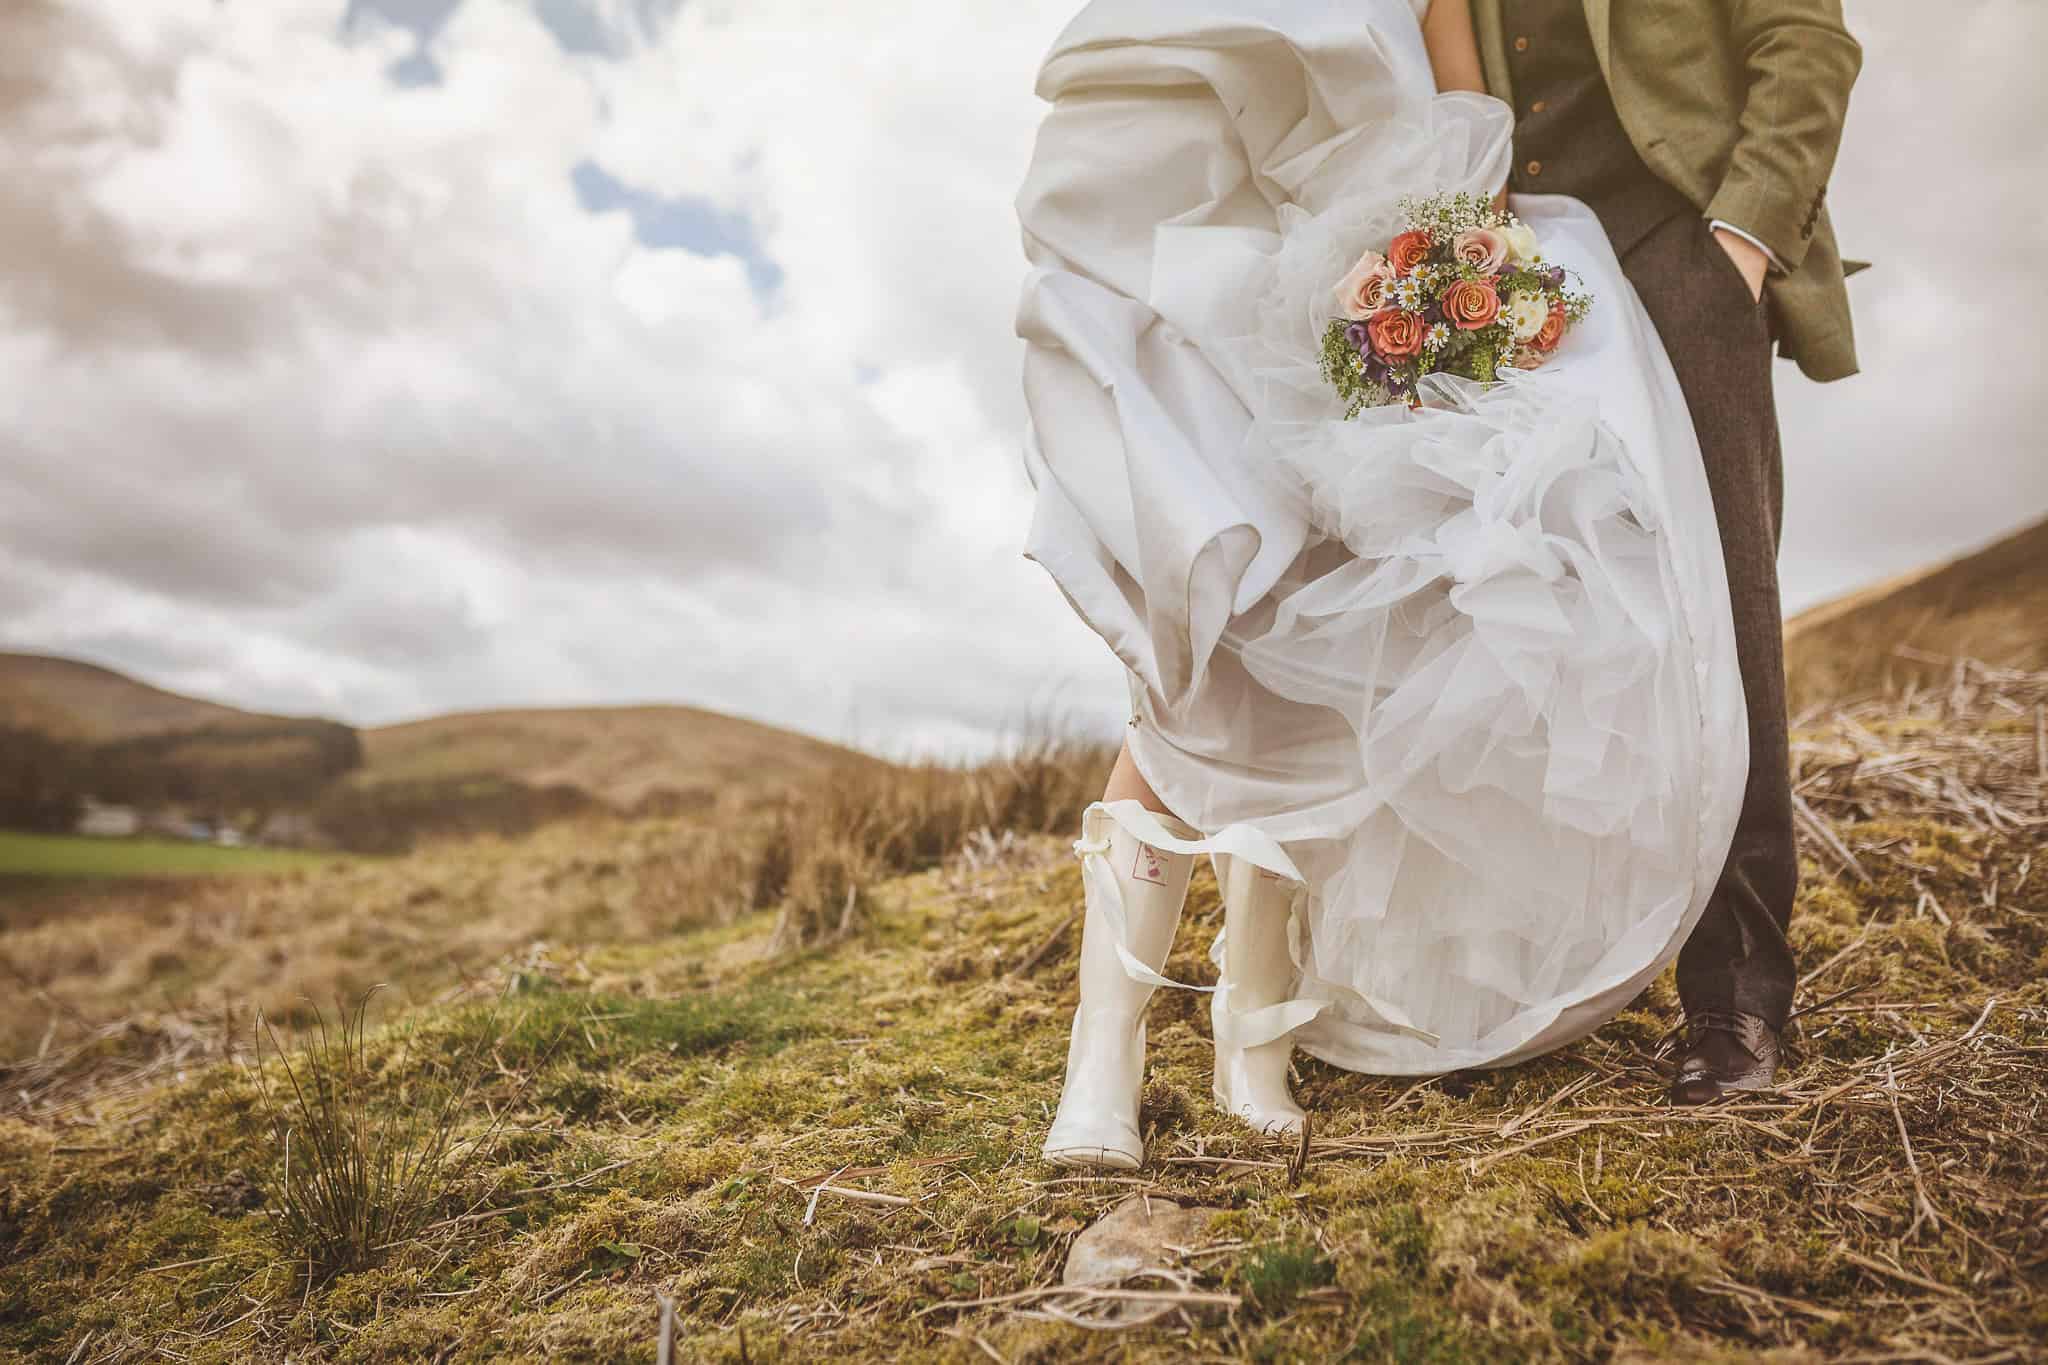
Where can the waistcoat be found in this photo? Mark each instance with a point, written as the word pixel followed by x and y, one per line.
pixel 1568 137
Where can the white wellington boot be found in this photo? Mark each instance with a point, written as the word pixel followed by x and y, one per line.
pixel 1254 1028
pixel 1134 892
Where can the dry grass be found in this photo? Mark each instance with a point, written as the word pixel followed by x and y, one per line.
pixel 108 982
pixel 832 1151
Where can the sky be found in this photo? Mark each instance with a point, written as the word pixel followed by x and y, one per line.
pixel 377 358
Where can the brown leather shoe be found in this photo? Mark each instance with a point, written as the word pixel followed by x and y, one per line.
pixel 1725 1051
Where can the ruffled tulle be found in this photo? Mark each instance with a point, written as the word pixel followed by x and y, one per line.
pixel 1472 666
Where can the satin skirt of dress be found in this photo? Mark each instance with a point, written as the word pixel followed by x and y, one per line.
pixel 1472 666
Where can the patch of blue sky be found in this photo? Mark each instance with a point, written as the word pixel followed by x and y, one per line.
pixel 683 222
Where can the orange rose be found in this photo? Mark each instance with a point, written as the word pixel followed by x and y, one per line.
pixel 1471 304
pixel 1396 334
pixel 1409 250
pixel 1552 331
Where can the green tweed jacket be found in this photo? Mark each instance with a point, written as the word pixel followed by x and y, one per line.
pixel 1739 105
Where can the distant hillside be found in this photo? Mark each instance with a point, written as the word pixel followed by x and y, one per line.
pixel 101 733
pixel 71 731
pixel 67 699
pixel 1990 604
pixel 619 754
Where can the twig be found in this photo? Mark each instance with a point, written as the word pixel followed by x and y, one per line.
pixel 1820 830
pixel 1045 946
pixel 1923 1206
pixel 1905 1276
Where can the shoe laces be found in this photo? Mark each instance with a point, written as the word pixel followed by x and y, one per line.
pixel 1703 1021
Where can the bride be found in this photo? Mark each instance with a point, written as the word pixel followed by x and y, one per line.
pixel 1449 697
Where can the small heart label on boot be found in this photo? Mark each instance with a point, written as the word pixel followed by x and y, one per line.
pixel 1149 867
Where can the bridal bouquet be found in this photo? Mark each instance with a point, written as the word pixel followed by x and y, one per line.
pixel 1462 290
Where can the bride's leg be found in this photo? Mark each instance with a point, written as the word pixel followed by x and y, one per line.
pixel 1258 971
pixel 1126 783
pixel 1097 1122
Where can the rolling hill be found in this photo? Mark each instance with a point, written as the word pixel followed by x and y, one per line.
pixel 620 755
pixel 70 700
pixel 1990 604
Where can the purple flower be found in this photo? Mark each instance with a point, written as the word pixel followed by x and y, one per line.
pixel 1556 276
pixel 1356 335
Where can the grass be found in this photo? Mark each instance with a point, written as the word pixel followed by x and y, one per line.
pixel 831 1150
pixel 71 857
pixel 362 1159
pixel 95 963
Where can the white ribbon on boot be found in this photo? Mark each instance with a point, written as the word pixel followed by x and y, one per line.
pixel 1249 1028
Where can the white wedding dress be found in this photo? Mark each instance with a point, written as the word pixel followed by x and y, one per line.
pixel 1472 669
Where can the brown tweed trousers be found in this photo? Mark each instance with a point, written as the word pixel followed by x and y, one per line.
pixel 1570 140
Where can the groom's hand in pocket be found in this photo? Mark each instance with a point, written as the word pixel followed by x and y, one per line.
pixel 1748 258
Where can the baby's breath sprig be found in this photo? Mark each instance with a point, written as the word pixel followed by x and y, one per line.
pixel 1444 216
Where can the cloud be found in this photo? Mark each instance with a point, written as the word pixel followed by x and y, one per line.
pixel 392 396
pixel 388 356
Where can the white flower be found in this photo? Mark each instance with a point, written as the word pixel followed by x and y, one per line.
pixel 1436 338
pixel 1521 240
pixel 1525 314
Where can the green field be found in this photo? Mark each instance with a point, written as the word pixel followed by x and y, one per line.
pixel 67 856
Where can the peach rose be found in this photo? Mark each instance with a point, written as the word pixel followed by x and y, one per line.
pixel 1396 334
pixel 1409 250
pixel 1363 292
pixel 1552 331
pixel 1524 358
pixel 1471 304
pixel 1482 248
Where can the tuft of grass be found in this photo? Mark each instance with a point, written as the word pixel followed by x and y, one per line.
pixel 358 1173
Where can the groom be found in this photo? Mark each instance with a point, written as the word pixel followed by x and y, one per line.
pixel 1702 132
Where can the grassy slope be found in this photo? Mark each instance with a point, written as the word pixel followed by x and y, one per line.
pixel 1991 604
pixel 336 927
pixel 618 753
pixel 1500 1216
pixel 74 700
pixel 54 855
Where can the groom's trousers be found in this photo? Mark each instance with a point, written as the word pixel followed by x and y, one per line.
pixel 1719 341
pixel 1569 140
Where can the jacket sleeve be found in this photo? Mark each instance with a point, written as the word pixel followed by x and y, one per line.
pixel 1800 61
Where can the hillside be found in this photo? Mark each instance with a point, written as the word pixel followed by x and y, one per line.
pixel 830 1152
pixel 71 700
pixel 1990 604
pixel 618 754
pixel 678 756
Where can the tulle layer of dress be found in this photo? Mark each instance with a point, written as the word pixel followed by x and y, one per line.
pixel 1472 666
